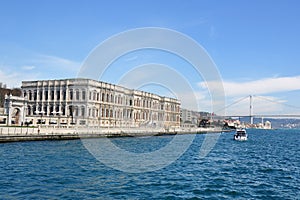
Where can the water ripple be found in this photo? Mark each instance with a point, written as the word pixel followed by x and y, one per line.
pixel 265 167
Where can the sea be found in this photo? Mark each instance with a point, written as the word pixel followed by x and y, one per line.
pixel 267 166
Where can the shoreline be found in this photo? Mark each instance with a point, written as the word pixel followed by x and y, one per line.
pixel 20 134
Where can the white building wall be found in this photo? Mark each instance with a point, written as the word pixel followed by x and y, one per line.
pixel 87 102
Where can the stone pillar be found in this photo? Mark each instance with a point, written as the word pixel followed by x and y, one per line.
pixel 66 99
pixel 37 94
pixel 54 90
pixel 8 105
pixel 21 119
pixel 24 111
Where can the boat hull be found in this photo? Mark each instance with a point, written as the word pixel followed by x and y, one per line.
pixel 240 135
pixel 240 138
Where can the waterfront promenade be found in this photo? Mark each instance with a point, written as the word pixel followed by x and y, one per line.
pixel 15 134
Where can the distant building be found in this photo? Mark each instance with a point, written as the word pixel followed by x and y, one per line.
pixel 189 118
pixel 86 102
pixel 267 125
pixel 2 85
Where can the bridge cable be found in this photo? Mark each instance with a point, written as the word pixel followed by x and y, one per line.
pixel 273 101
pixel 237 101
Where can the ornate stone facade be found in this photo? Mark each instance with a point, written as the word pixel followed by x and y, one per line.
pixel 14 108
pixel 86 102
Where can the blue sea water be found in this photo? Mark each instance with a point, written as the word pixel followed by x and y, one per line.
pixel 267 166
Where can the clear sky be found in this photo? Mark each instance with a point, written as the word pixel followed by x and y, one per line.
pixel 255 44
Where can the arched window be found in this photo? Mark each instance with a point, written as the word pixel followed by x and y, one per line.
pixel 71 111
pixel 83 95
pixel 63 108
pixel 29 110
pixel 71 95
pixel 46 95
pixel 52 94
pixel 103 97
pixel 51 110
pixel 30 95
pixel 33 110
pixel 77 95
pixel 82 111
pixel 57 109
pixel 64 95
pixel 76 111
pixel 40 95
pixel 94 95
pixel 103 112
pixel 58 95
pixel 35 95
pixel 40 108
pixel 107 113
pixel 45 110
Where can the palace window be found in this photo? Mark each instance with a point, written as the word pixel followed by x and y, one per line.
pixel 30 95
pixel 71 94
pixel 64 95
pixel 94 96
pixel 82 111
pixel 35 95
pixel 52 95
pixel 58 95
pixel 41 95
pixel 83 95
pixel 77 95
pixel 46 95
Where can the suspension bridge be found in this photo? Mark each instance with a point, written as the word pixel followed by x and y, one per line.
pixel 250 102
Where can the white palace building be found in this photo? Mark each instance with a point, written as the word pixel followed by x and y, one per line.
pixel 86 102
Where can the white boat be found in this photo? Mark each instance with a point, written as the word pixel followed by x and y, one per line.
pixel 240 135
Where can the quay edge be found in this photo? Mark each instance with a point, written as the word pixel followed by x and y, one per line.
pixel 19 134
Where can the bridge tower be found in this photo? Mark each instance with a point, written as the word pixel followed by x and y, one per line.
pixel 251 110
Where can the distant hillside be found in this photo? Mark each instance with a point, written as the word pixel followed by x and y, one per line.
pixel 285 123
pixel 277 123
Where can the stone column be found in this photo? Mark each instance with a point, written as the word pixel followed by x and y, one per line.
pixel 54 90
pixel 37 94
pixel 8 108
pixel 60 99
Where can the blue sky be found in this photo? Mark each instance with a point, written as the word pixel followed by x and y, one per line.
pixel 254 44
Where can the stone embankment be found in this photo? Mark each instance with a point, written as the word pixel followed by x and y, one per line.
pixel 16 134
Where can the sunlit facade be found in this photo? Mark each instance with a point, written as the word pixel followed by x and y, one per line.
pixel 85 102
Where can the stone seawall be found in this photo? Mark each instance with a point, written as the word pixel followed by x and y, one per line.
pixel 15 134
